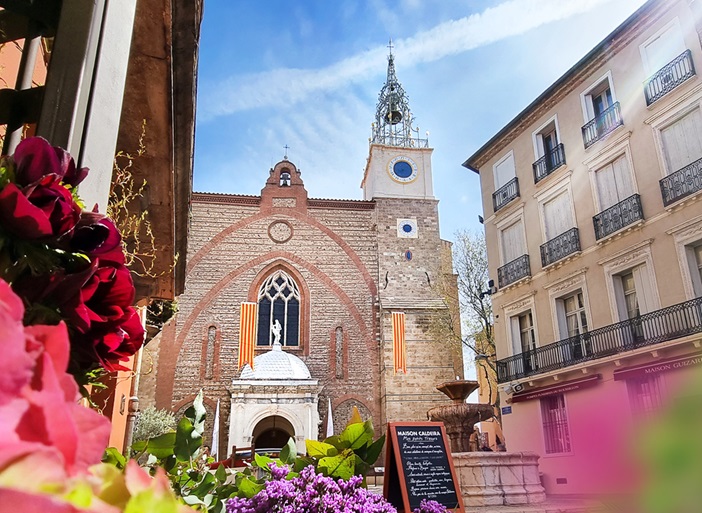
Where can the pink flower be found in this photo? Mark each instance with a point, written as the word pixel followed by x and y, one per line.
pixel 39 400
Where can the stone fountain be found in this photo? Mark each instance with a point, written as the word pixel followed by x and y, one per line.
pixel 460 417
pixel 487 479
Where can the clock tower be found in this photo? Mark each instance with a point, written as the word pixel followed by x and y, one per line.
pixel 398 178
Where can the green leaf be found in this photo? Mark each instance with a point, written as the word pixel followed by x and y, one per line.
pixel 374 450
pixel 301 463
pixel 317 449
pixel 187 440
pixel 340 466
pixel 139 446
pixel 205 486
pixel 249 488
pixel 358 435
pixel 196 414
pixel 221 474
pixel 289 452
pixel 114 457
pixel 262 461
pixel 336 442
pixel 162 446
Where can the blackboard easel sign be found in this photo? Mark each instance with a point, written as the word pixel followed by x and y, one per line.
pixel 419 466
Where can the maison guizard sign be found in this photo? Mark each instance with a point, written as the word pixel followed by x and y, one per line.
pixel 651 369
pixel 568 386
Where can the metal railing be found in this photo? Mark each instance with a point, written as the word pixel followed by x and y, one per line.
pixel 618 216
pixel 560 247
pixel 682 183
pixel 668 323
pixel 512 271
pixel 597 128
pixel 669 77
pixel 505 194
pixel 549 163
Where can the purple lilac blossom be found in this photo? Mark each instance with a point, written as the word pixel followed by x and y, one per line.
pixel 310 493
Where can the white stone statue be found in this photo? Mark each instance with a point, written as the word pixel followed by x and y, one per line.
pixel 277 328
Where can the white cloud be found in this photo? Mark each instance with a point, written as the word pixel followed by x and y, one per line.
pixel 285 86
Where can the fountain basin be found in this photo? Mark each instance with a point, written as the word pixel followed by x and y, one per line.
pixel 459 419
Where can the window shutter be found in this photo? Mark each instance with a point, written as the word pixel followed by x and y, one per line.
pixel 664 49
pixel 614 183
pixel 504 171
pixel 557 216
pixel 512 242
pixel 682 141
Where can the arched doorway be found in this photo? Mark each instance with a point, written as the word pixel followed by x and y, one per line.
pixel 272 433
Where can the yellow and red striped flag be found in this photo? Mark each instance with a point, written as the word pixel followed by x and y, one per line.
pixel 247 333
pixel 399 351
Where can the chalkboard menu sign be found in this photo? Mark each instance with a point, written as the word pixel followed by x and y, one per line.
pixel 418 466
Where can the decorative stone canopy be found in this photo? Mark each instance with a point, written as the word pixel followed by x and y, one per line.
pixel 276 364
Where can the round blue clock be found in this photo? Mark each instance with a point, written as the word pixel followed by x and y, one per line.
pixel 402 169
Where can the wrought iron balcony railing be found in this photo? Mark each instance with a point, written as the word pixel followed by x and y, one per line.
pixel 560 247
pixel 505 194
pixel 669 77
pixel 513 271
pixel 597 128
pixel 648 329
pixel 549 163
pixel 618 216
pixel 682 183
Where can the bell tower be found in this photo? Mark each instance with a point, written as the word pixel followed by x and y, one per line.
pixel 399 161
pixel 398 178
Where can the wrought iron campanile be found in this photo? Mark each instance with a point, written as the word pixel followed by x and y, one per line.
pixel 393 119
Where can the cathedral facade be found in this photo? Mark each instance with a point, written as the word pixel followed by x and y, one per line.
pixel 327 276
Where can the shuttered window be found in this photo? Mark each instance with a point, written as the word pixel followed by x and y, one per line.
pixel 682 141
pixel 558 215
pixel 614 182
pixel 504 171
pixel 512 242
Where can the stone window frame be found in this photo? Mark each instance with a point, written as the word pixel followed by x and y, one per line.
pixel 304 321
pixel 666 117
pixel 617 148
pixel 614 265
pixel 686 235
pixel 204 361
pixel 510 220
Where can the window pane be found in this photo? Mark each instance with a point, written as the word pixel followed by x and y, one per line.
pixel 555 424
pixel 264 322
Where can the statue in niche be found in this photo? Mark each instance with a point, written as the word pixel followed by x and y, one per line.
pixel 276 328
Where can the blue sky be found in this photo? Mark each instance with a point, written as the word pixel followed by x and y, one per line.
pixel 307 74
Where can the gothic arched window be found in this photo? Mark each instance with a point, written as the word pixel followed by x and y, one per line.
pixel 279 300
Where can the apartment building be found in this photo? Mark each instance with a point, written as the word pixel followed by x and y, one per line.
pixel 593 222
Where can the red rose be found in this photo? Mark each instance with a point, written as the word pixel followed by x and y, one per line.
pixel 111 342
pixel 97 236
pixel 42 210
pixel 35 159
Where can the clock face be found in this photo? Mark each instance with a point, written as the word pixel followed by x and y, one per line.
pixel 402 169
pixel 407 228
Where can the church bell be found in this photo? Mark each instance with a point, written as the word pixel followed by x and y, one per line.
pixel 393 114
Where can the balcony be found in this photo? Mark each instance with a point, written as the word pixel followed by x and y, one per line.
pixel 669 77
pixel 618 216
pixel 648 329
pixel 513 271
pixel 549 163
pixel 683 183
pixel 560 247
pixel 505 194
pixel 603 124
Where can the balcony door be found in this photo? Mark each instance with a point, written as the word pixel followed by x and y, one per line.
pixel 504 171
pixel 662 48
pixel 512 242
pixel 682 141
